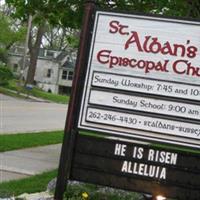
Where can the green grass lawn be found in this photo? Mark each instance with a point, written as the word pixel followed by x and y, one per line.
pixel 9 93
pixel 49 96
pixel 37 183
pixel 13 85
pixel 25 140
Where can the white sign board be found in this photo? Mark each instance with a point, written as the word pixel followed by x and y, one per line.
pixel 143 79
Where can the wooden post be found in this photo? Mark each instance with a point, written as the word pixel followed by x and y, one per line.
pixel 74 104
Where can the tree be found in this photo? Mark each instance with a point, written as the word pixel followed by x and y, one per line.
pixel 5 75
pixel 8 35
pixel 68 14
pixel 59 38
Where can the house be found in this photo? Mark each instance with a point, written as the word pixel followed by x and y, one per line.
pixel 54 71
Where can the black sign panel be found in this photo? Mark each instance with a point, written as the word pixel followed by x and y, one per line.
pixel 137 167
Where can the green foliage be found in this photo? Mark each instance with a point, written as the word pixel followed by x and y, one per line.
pixel 56 12
pixel 23 140
pixel 49 96
pixel 73 41
pixel 3 55
pixel 7 92
pixel 8 35
pixel 174 8
pixel 69 13
pixel 36 92
pixel 5 75
pixel 92 192
pixel 37 183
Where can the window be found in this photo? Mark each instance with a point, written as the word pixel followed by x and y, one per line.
pixel 67 75
pixel 70 75
pixel 64 75
pixel 49 73
pixel 50 54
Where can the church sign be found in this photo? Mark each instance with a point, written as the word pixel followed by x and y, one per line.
pixel 143 79
pixel 136 86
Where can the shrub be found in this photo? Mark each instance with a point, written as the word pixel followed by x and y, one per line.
pixel 82 191
pixel 5 75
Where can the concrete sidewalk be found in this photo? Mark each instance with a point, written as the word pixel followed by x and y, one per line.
pixel 26 162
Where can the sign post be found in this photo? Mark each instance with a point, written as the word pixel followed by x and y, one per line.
pixel 73 109
pixel 136 84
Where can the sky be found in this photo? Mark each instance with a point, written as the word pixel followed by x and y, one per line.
pixel 2 2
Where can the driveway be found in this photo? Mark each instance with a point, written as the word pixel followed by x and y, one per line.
pixel 20 116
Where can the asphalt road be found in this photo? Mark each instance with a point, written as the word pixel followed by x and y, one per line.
pixel 21 116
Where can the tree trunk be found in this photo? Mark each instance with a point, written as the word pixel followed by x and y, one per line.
pixel 34 52
pixel 32 66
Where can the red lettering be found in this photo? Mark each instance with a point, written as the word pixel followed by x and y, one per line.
pixel 191 52
pixel 162 67
pixel 153 45
pixel 141 64
pixel 179 48
pixel 114 26
pixel 113 61
pixel 179 66
pixel 134 39
pixel 121 30
pixel 150 66
pixel 120 61
pixel 145 44
pixel 103 56
pixel 132 63
pixel 185 67
pixel 167 49
pixel 194 71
